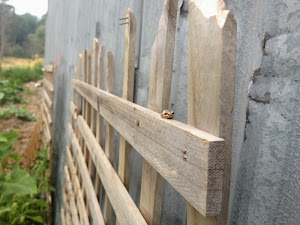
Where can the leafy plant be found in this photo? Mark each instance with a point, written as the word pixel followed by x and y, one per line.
pixel 10 91
pixel 20 201
pixel 20 113
pixel 24 74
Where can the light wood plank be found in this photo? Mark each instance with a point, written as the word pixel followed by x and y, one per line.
pixel 212 69
pixel 79 196
pixel 67 208
pixel 48 85
pixel 87 184
pixel 123 205
pixel 48 115
pixel 109 135
pixel 160 82
pixel 63 218
pixel 100 121
pixel 128 91
pixel 48 100
pixel 49 68
pixel 161 142
pixel 47 129
pixel 73 110
pixel 70 194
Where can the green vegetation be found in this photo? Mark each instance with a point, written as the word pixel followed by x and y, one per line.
pixel 20 190
pixel 10 91
pixel 24 34
pixel 24 74
pixel 20 113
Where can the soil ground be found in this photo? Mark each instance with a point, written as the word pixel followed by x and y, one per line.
pixel 31 96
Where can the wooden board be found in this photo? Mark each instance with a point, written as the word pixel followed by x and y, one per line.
pixel 162 142
pixel 109 135
pixel 124 207
pixel 73 110
pixel 49 68
pixel 47 113
pixel 48 85
pixel 47 99
pixel 87 184
pixel 100 123
pixel 71 198
pixel 211 81
pixel 128 91
pixel 78 193
pixel 161 69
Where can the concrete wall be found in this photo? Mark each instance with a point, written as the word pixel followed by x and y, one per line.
pixel 266 160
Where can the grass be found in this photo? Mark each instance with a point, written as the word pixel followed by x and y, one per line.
pixel 9 62
pixel 20 113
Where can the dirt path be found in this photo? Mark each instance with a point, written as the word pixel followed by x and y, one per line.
pixel 31 96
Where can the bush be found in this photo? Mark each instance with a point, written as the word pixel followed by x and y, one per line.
pixel 25 74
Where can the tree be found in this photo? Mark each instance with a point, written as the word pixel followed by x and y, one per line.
pixel 4 11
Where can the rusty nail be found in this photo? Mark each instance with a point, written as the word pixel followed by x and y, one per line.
pixel 137 123
pixel 184 157
pixel 123 23
pixel 184 151
pixel 125 18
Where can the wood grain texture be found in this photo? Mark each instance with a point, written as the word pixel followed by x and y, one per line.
pixel 47 113
pixel 123 205
pixel 48 85
pixel 73 110
pixel 109 135
pixel 67 208
pixel 87 184
pixel 47 131
pixel 211 85
pixel 63 217
pixel 77 190
pixel 161 142
pixel 128 90
pixel 100 121
pixel 160 82
pixel 47 99
pixel 71 197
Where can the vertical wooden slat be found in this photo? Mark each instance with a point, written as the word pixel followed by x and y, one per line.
pixel 109 135
pixel 211 84
pixel 128 91
pixel 161 70
pixel 100 124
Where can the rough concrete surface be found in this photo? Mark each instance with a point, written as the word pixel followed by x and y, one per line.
pixel 265 187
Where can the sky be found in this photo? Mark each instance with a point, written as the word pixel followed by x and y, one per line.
pixel 35 7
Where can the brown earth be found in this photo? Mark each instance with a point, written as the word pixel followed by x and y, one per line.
pixel 31 96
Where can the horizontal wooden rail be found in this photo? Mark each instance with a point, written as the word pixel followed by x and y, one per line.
pixel 73 110
pixel 48 100
pixel 79 196
pixel 71 197
pixel 189 159
pixel 124 207
pixel 47 113
pixel 47 129
pixel 88 185
pixel 48 85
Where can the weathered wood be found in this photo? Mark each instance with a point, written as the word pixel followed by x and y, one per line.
pixel 48 100
pixel 124 207
pixel 128 91
pixel 160 82
pixel 48 115
pixel 162 142
pixel 47 129
pixel 109 135
pixel 211 80
pixel 79 78
pixel 73 208
pixel 87 184
pixel 79 196
pixel 63 218
pixel 48 85
pixel 49 68
pixel 100 122
pixel 73 110
pixel 67 207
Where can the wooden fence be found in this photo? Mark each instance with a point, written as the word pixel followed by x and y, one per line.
pixel 190 159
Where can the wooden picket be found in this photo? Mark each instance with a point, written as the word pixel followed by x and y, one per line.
pixel 191 160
